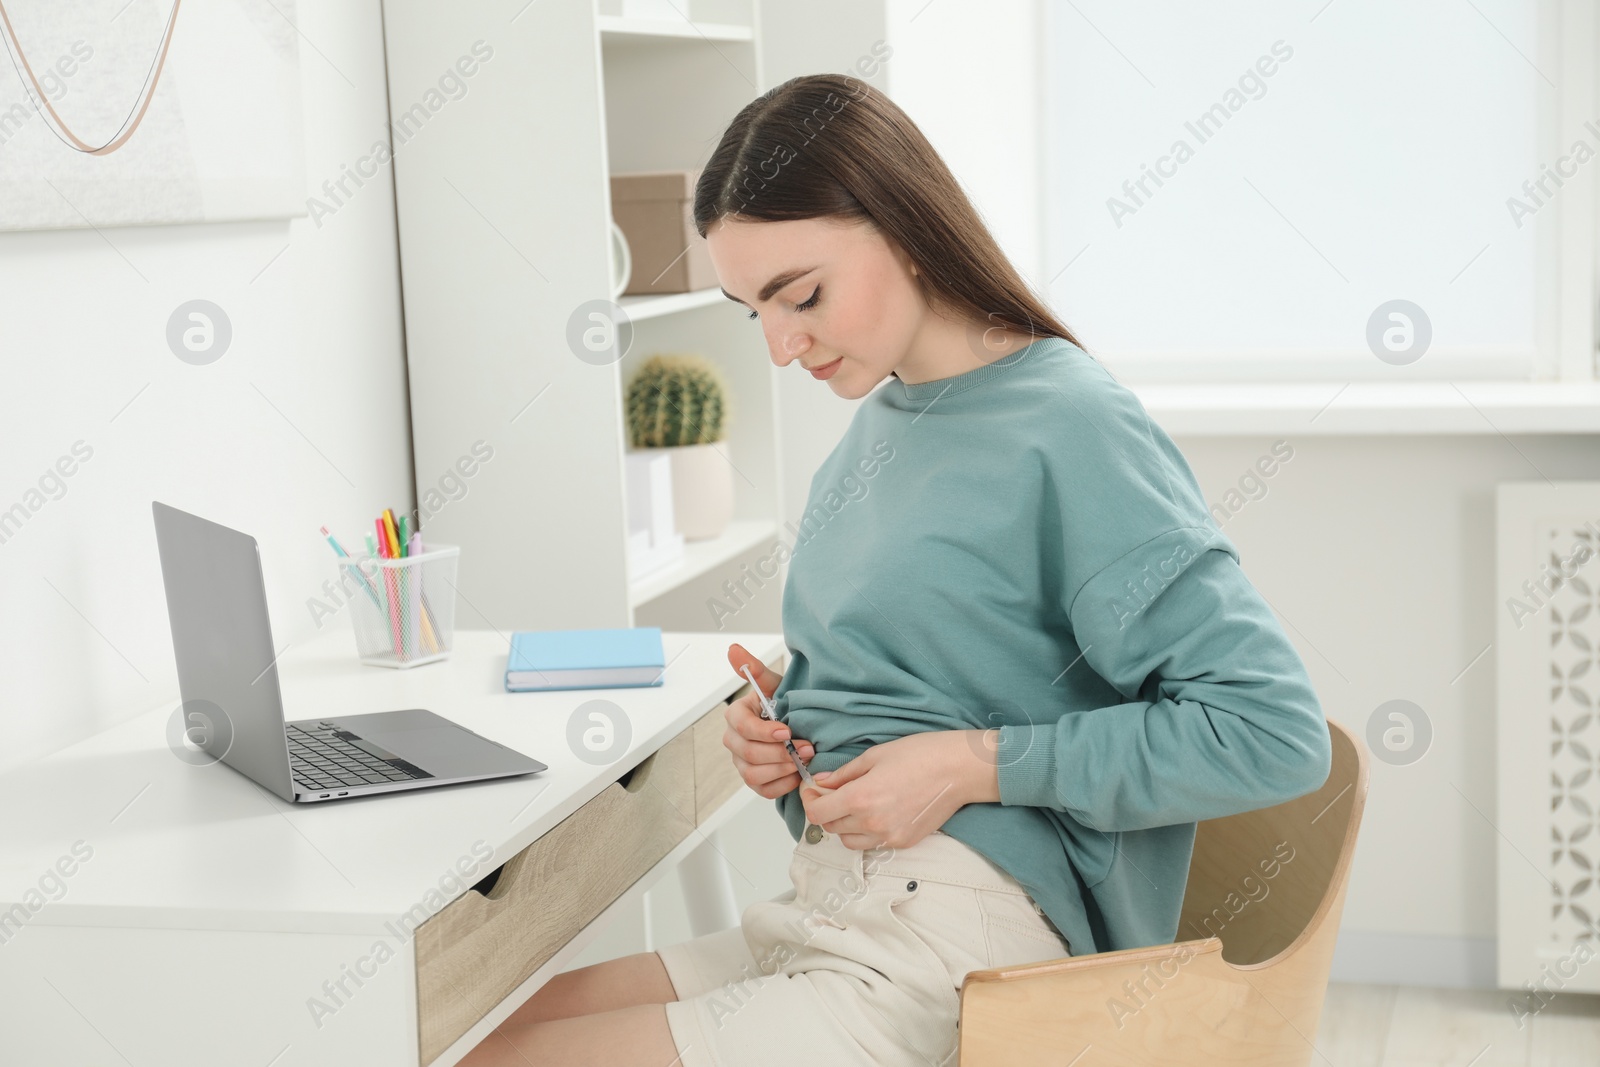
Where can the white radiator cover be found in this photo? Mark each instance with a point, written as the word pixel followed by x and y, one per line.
pixel 1548 724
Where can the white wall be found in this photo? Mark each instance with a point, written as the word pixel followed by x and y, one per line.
pixel 302 422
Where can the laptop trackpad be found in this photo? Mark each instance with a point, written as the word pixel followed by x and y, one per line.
pixel 446 751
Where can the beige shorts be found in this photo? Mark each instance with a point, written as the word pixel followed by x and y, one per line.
pixel 860 963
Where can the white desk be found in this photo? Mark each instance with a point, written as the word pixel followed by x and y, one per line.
pixel 209 914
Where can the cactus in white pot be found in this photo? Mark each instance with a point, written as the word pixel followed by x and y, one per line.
pixel 679 402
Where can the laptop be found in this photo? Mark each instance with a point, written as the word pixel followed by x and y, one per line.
pixel 227 670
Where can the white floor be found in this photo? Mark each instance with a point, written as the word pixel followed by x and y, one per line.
pixel 1405 1026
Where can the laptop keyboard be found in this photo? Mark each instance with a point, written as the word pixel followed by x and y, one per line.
pixel 324 758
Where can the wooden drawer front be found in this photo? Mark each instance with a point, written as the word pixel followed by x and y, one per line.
pixel 472 954
pixel 715 778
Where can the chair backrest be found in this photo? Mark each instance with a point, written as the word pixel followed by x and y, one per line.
pixel 1263 880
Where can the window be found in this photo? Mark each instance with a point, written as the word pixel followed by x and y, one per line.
pixel 1242 191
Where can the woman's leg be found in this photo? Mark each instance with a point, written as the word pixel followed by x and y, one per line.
pixel 624 982
pixel 605 1013
pixel 627 1037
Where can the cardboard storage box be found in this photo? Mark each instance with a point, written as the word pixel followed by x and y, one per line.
pixel 653 210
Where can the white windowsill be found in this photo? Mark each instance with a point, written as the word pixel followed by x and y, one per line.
pixel 1371 408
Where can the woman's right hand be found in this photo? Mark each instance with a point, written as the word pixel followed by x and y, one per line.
pixel 757 746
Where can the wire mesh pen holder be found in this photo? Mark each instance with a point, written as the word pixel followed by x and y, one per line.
pixel 403 609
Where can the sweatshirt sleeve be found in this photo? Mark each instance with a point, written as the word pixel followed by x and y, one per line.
pixel 1220 716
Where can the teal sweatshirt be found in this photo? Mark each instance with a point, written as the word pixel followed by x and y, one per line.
pixel 1021 547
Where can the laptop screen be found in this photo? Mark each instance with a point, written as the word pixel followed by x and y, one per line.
pixel 217 605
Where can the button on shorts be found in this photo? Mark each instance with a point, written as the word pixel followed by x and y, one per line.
pixel 860 963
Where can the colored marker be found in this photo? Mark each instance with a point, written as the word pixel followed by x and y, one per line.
pixel 366 583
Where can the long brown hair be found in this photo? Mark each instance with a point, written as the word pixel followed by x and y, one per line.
pixel 833 146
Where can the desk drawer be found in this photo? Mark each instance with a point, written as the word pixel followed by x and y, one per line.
pixel 472 954
pixel 715 778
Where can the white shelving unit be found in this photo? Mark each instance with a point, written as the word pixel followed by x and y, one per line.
pixel 649 307
pixel 618 29
pixel 701 557
pixel 503 210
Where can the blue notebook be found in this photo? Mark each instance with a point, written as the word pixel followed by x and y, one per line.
pixel 585 659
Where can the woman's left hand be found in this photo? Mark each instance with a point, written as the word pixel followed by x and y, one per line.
pixel 897 792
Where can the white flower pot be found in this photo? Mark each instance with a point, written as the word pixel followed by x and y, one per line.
pixel 702 489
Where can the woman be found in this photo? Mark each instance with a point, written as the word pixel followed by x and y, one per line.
pixel 1020 645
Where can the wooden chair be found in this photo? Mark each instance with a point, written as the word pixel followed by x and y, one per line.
pixel 1247 991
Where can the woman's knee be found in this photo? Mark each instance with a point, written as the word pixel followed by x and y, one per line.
pixel 636 1035
pixel 624 982
pixel 639 1034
